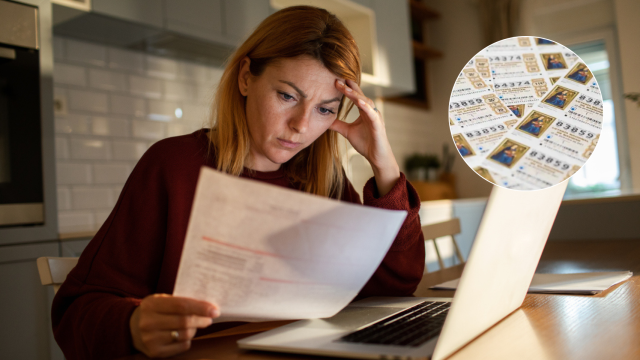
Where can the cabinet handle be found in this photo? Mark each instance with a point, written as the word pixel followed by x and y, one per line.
pixel 7 53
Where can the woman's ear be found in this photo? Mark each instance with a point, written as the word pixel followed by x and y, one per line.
pixel 243 76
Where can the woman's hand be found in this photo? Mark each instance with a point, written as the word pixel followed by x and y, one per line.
pixel 163 325
pixel 368 136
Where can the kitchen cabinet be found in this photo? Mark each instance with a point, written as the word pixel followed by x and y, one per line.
pixel 242 17
pixel 201 30
pixel 25 305
pixel 198 18
pixel 148 12
pixel 382 30
pixel 225 21
pixel 394 72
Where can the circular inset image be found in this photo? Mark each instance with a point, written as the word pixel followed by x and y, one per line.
pixel 525 113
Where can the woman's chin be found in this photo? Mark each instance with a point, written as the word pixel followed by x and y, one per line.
pixel 282 156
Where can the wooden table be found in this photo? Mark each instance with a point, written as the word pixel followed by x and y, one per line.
pixel 603 326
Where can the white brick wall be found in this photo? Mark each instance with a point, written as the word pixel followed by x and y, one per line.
pixel 118 102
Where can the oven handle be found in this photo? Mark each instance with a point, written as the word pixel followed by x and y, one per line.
pixel 7 53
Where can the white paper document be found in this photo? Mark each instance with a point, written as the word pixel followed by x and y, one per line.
pixel 263 252
pixel 578 283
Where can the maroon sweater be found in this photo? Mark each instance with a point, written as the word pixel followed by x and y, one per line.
pixel 137 250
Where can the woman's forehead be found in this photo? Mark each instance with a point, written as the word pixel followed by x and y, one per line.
pixel 302 67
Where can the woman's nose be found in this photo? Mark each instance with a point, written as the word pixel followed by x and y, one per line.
pixel 300 121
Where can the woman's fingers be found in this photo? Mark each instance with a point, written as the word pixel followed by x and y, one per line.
pixel 167 304
pixel 183 335
pixel 351 93
pixel 341 127
pixel 367 109
pixel 354 85
pixel 173 322
pixel 163 325
pixel 355 94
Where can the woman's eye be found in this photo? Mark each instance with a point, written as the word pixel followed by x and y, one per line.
pixel 324 111
pixel 286 96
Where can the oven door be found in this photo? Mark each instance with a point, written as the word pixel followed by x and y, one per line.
pixel 21 180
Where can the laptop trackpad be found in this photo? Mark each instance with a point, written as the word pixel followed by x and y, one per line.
pixel 352 317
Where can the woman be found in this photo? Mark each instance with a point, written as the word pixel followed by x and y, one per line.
pixel 275 120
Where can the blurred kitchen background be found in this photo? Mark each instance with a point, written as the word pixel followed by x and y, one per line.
pixel 127 73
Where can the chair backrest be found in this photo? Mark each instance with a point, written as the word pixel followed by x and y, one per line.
pixel 54 270
pixel 446 228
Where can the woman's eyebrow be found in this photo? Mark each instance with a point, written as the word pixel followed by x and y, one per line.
pixel 305 95
pixel 329 101
pixel 295 87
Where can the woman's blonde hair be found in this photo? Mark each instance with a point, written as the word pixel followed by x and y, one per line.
pixel 290 32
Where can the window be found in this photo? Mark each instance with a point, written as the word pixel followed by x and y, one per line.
pixel 601 173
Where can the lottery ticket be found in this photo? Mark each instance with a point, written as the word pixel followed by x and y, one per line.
pixel 474 79
pixel 534 121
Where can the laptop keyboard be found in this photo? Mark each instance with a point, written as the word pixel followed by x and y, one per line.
pixel 410 327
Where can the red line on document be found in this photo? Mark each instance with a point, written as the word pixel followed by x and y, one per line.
pixel 238 247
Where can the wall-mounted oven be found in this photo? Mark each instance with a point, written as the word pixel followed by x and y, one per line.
pixel 26 134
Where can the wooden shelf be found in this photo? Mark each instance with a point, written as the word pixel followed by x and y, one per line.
pixel 422 51
pixel 420 11
pixel 436 190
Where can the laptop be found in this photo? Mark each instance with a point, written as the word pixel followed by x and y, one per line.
pixel 508 245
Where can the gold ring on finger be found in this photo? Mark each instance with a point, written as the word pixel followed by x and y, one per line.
pixel 175 335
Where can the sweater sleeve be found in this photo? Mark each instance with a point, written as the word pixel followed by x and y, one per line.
pixel 90 312
pixel 402 267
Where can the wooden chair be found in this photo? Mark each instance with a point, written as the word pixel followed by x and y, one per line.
pixel 54 270
pixel 445 228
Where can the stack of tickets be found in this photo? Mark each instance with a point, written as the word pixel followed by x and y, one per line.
pixel 525 113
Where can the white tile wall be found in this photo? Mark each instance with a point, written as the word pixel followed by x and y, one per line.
pixel 147 129
pixel 161 67
pixel 147 87
pixel 70 75
pixel 75 221
pixel 62 148
pixel 128 149
pixel 125 105
pixel 121 101
pixel 111 173
pixel 107 80
pixel 179 90
pixel 116 191
pixel 110 126
pixel 72 124
pixel 126 60
pixel 90 149
pixel 88 101
pixel 64 198
pixel 162 110
pixel 100 216
pixel 118 103
pixel 73 173
pixel 88 53
pixel 91 198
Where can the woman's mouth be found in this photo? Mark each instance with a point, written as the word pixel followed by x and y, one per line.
pixel 289 144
